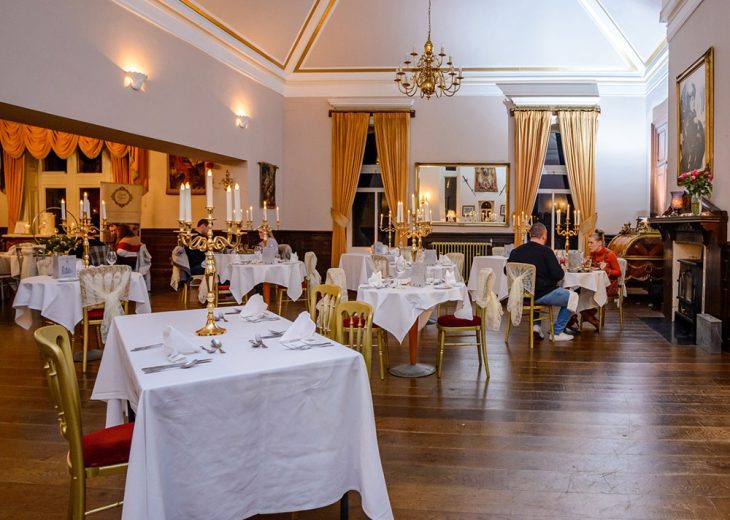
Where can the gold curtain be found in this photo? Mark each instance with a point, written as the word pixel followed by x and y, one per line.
pixel 139 166
pixel 349 131
pixel 64 144
pixel 532 131
pixel 578 131
pixel 14 168
pixel 120 170
pixel 392 138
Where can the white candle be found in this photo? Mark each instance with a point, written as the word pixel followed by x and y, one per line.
pixel 277 213
pixel 390 217
pixel 577 220
pixel 567 215
pixel 428 211
pixel 63 209
pixel 81 209
pixel 250 210
pixel 188 203
pixel 103 210
pixel 181 203
pixel 229 204
pixel 413 202
pixel 381 219
pixel 237 201
pixel 558 216
pixel 209 189
pixel 87 206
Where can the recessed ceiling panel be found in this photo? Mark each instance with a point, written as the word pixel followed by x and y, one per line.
pixel 639 21
pixel 270 26
pixel 501 34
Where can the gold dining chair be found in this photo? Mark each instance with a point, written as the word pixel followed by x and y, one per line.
pixel 450 325
pixel 623 265
pixel 322 303
pixel 458 260
pixel 354 328
pixel 109 277
pixel 528 274
pixel 98 454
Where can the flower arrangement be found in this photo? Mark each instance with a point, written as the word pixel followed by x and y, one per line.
pixel 60 244
pixel 697 182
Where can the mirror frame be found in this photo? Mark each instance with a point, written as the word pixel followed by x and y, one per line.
pixel 506 165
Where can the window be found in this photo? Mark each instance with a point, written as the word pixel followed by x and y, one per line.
pixel 370 202
pixel 86 165
pixel 53 163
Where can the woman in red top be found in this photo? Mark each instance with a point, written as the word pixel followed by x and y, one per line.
pixel 605 259
pixel 128 246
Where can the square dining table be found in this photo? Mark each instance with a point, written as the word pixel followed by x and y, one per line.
pixel 254 431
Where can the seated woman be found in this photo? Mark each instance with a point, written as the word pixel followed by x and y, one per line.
pixel 271 242
pixel 605 259
pixel 127 247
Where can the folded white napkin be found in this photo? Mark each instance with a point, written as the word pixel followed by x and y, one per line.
pixel 294 257
pixel 449 278
pixel 376 279
pixel 176 344
pixel 400 264
pixel 573 300
pixel 302 328
pixel 254 307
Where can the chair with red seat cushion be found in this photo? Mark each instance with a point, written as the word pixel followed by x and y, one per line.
pixel 449 320
pixel 381 336
pixel 101 453
pixel 354 327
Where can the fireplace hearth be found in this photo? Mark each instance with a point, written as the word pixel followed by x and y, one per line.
pixel 689 295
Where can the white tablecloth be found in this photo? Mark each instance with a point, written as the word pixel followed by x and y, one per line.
pixel 255 431
pixel 593 288
pixel 396 310
pixel 496 263
pixel 223 262
pixel 60 302
pixel 245 277
pixel 358 267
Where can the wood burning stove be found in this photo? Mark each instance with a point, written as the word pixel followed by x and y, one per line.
pixel 689 294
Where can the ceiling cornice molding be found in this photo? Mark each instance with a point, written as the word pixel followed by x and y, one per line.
pixel 613 33
pixel 372 103
pixel 675 13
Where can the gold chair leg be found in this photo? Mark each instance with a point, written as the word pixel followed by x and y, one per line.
pixel 379 339
pixel 483 333
pixel 77 500
pixel 552 323
pixel 185 296
pixel 532 325
pixel 479 349
pixel 621 311
pixel 85 347
pixel 442 340
pixel 509 324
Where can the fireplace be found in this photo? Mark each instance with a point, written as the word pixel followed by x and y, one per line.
pixel 689 294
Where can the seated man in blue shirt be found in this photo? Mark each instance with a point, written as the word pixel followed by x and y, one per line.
pixel 548 274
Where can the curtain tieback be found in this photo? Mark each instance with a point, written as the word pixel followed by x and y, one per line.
pixel 338 218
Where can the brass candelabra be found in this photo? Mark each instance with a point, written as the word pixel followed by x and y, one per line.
pixel 209 245
pixel 415 228
pixel 83 228
pixel 567 232
pixel 388 228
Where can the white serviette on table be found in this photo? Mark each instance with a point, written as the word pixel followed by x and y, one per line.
pixel 400 264
pixel 302 328
pixel 376 280
pixel 176 345
pixel 449 278
pixel 254 307
pixel 294 257
pixel 445 260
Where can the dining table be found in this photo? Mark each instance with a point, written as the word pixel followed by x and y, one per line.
pixel 59 300
pixel 403 309
pixel 253 431
pixel 496 263
pixel 592 284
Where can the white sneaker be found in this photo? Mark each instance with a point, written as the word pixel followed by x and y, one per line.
pixel 563 337
pixel 537 329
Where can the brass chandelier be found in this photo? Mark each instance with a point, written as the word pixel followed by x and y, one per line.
pixel 427 77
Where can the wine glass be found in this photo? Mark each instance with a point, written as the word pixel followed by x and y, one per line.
pixel 111 257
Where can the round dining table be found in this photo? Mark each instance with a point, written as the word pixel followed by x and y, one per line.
pixel 403 310
pixel 593 286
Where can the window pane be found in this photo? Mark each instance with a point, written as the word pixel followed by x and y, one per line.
pixel 86 165
pixel 53 163
pixel 363 220
pixel 450 195
pixel 94 196
pixel 370 180
pixel 543 213
pixel 371 151
pixel 53 200
pixel 555 149
pixel 554 182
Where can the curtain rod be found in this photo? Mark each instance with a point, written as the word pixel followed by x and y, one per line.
pixel 371 112
pixel 556 108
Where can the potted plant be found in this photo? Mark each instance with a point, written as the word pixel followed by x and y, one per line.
pixel 698 184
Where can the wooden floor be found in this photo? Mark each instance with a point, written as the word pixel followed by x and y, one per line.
pixel 621 425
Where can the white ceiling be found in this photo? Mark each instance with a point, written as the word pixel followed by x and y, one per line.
pixel 302 43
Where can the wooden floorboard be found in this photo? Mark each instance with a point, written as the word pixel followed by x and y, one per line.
pixel 616 425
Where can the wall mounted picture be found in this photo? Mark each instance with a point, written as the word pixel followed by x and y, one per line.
pixel 267 184
pixel 468 210
pixel 485 179
pixel 184 169
pixel 695 114
pixel 486 210
pixel 502 209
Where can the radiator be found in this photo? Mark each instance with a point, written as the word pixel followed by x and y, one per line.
pixel 470 250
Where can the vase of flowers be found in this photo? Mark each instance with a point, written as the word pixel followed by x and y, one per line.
pixel 60 244
pixel 698 184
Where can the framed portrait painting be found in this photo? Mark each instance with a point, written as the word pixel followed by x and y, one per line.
pixel 695 115
pixel 267 184
pixel 184 169
pixel 485 179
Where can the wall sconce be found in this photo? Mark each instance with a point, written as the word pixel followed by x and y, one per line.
pixel 242 121
pixel 134 80
pixel 677 202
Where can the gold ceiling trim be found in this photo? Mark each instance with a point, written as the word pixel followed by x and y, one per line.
pixel 314 35
pixel 483 69
pixel 301 32
pixel 657 51
pixel 233 34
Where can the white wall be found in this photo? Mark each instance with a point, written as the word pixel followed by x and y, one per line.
pixel 706 27
pixel 67 59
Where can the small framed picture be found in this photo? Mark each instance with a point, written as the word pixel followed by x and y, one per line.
pixel 468 210
pixel 502 209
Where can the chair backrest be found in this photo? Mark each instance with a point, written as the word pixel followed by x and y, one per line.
pixel 310 264
pixel 336 276
pixel 407 253
pixel 622 265
pixel 55 351
pixel 97 282
pixel 285 252
pixel 528 274
pixel 354 325
pixel 458 260
pixel 322 303
pixel 498 251
pixel 381 264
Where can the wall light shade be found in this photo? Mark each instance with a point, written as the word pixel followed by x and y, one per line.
pixel 134 80
pixel 243 121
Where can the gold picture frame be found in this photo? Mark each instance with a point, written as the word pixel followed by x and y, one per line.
pixel 695 111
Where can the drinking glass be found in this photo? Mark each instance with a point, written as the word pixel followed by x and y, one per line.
pixel 111 257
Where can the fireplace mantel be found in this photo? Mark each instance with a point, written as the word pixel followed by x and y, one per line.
pixel 691 229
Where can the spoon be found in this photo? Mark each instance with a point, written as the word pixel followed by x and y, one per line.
pixel 209 350
pixel 217 344
pixel 218 316
pixel 259 341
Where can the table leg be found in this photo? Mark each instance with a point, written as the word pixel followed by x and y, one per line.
pixel 267 292
pixel 414 368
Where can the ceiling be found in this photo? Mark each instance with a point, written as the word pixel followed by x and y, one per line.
pixel 296 43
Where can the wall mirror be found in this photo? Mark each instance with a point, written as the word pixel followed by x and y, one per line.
pixel 465 193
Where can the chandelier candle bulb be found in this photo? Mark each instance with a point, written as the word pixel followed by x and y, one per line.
pixel 63 209
pixel 209 189
pixel 229 204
